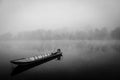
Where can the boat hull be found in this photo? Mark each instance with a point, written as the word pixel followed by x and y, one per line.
pixel 37 60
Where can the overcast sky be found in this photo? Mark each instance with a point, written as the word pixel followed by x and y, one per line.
pixel 19 15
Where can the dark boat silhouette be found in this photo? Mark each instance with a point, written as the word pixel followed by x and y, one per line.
pixel 21 68
pixel 39 58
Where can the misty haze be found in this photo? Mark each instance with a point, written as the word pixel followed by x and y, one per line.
pixel 87 33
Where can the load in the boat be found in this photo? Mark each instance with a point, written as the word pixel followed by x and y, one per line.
pixel 29 60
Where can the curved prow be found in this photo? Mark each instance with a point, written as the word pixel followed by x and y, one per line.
pixel 59 52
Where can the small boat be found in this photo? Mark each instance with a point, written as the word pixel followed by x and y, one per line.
pixel 30 60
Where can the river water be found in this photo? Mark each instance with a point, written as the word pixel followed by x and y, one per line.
pixel 81 59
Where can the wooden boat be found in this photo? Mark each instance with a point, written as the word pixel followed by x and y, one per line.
pixel 30 60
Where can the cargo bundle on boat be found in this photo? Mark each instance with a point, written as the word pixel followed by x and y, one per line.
pixel 29 60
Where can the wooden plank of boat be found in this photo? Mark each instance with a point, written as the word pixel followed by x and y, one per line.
pixel 25 61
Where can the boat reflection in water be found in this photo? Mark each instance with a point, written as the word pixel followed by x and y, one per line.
pixel 23 66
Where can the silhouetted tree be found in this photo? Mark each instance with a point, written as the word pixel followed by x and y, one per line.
pixel 6 36
pixel 115 34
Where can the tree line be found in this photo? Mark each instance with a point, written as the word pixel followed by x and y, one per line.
pixel 96 34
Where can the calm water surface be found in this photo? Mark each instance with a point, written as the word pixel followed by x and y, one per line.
pixel 81 59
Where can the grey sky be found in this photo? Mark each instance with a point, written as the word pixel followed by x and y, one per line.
pixel 19 15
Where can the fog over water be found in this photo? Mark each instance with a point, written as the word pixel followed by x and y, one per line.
pixel 86 31
pixel 16 16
